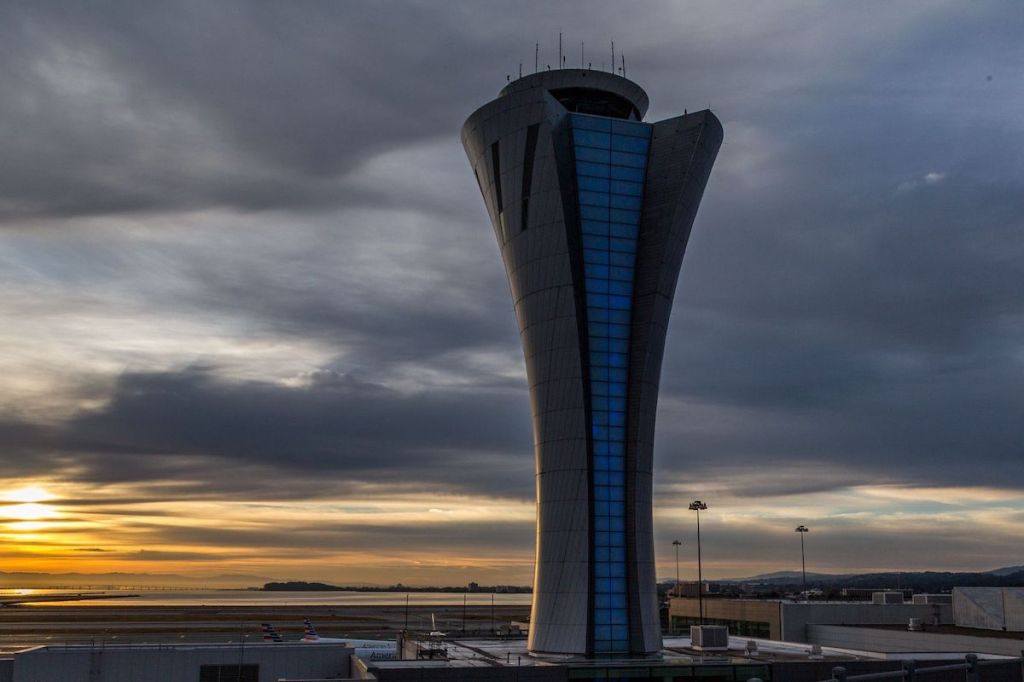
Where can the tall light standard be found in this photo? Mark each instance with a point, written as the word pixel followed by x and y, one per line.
pixel 697 506
pixel 803 562
pixel 677 544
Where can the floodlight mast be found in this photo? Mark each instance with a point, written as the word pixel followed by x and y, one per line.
pixel 803 562
pixel 697 506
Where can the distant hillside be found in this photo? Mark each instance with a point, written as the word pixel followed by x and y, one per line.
pixel 923 581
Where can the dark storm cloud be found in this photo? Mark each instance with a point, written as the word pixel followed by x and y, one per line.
pixel 167 426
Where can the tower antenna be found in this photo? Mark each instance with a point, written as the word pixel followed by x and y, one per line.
pixel 520 69
pixel 560 58
pixel 581 54
pixel 536 56
pixel 613 56
pixel 623 66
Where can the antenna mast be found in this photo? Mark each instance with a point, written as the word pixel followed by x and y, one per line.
pixel 560 49
pixel 613 56
pixel 536 57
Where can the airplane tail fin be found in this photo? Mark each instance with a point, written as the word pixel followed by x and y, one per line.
pixel 270 634
pixel 311 633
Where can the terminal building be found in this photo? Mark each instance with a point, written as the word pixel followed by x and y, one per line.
pixel 592 209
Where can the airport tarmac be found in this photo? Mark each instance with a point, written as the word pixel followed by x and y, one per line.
pixel 30 625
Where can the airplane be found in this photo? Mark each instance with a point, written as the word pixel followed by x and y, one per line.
pixel 313 637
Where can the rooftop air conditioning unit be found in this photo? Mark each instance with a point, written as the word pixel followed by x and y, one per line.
pixel 709 637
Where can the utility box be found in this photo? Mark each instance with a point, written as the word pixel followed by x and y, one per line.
pixel 709 637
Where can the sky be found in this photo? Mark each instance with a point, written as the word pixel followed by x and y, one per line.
pixel 253 320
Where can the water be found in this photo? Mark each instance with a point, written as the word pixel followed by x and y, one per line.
pixel 257 598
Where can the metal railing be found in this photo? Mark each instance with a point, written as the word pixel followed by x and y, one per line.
pixel 909 672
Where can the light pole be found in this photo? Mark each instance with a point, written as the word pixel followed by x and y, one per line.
pixel 677 544
pixel 697 506
pixel 803 562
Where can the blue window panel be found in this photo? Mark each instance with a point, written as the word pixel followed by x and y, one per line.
pixel 603 554
pixel 596 270
pixel 619 317
pixel 598 329
pixel 601 508
pixel 603 601
pixel 600 418
pixel 601 315
pixel 616 601
pixel 599 343
pixel 604 571
pixel 614 477
pixel 623 231
pixel 596 256
pixel 603 522
pixel 624 201
pixel 593 241
pixel 598 358
pixel 599 431
pixel 599 300
pixel 594 213
pixel 618 331
pixel 623 143
pixel 617 525
pixel 620 632
pixel 602 632
pixel 597 170
pixel 621 215
pixel 616 464
pixel 598 387
pixel 601 403
pixel 618 258
pixel 615 509
pixel 602 448
pixel 619 287
pixel 616 375
pixel 598 227
pixel 636 128
pixel 616 494
pixel 603 586
pixel 603 616
pixel 617 554
pixel 602 478
pixel 592 138
pixel 593 184
pixel 596 155
pixel 597 286
pixel 598 199
pixel 614 404
pixel 618 538
pixel 618 617
pixel 618 345
pixel 601 463
pixel 616 158
pixel 619 302
pixel 616 570
pixel 617 585
pixel 634 189
pixel 624 245
pixel 615 272
pixel 617 359
pixel 615 418
pixel 591 122
pixel 626 173
pixel 616 449
pixel 615 389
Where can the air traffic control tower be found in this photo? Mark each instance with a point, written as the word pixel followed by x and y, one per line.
pixel 592 209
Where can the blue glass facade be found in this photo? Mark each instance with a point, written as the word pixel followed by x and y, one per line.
pixel 611 160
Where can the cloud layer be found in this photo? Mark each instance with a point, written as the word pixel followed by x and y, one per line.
pixel 243 263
